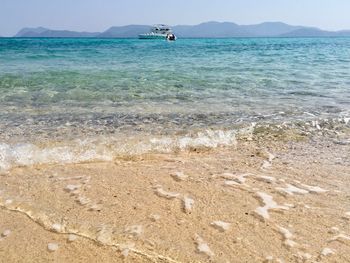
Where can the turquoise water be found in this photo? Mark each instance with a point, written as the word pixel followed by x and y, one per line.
pixel 55 90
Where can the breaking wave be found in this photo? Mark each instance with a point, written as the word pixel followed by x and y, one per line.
pixel 106 149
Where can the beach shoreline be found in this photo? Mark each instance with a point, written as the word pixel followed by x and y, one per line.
pixel 262 199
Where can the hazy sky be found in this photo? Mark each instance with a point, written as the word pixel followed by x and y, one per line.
pixel 98 15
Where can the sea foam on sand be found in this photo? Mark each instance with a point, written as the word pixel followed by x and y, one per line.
pixel 162 193
pixel 221 226
pixel 203 247
pixel 287 236
pixel 269 204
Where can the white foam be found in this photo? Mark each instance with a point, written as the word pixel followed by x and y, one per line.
pixel 72 238
pixel 135 230
pixel 340 237
pixel 304 256
pixel 6 233
pixel 291 190
pixel 290 243
pixel 125 249
pixel 267 179
pixel 271 259
pixel 238 178
pixel 30 154
pixel 327 251
pixel 95 207
pixel 8 202
pixel 57 228
pixel 72 187
pixel 168 195
pixel 231 183
pixel 203 247
pixel 106 149
pixel 211 139
pixel 287 237
pixel 179 176
pixel 188 204
pixel 155 217
pixel 221 226
pixel 104 235
pixel 271 157
pixel 52 247
pixel 334 230
pixel 285 232
pixel 314 189
pixel 268 259
pixel 83 200
pixel 266 165
pixel 269 203
pixel 207 139
pixel 316 125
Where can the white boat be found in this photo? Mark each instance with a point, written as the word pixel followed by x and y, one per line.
pixel 159 32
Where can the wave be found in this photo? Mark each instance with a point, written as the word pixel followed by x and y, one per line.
pixel 107 148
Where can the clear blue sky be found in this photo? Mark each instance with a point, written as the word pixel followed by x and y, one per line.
pixel 98 15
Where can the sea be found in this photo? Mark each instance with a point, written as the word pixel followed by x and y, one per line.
pixel 84 100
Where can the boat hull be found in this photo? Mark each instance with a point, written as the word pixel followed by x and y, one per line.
pixel 152 36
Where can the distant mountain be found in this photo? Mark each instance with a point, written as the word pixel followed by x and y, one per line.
pixel 343 33
pixel 44 32
pixel 270 29
pixel 212 29
pixel 30 31
pixel 204 30
pixel 131 31
pixel 226 29
pixel 267 29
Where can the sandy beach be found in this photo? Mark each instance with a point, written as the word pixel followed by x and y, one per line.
pixel 261 200
pixel 174 131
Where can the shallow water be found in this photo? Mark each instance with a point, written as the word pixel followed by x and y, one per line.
pixel 123 92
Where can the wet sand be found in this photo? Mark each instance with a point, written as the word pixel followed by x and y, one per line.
pixel 259 201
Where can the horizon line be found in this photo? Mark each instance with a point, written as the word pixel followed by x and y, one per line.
pixel 211 21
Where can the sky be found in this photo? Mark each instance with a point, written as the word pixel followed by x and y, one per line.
pixel 99 15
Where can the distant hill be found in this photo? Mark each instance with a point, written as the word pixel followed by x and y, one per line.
pixel 44 32
pixel 343 33
pixel 270 29
pixel 212 29
pixel 226 29
pixel 131 31
pixel 30 31
pixel 204 30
